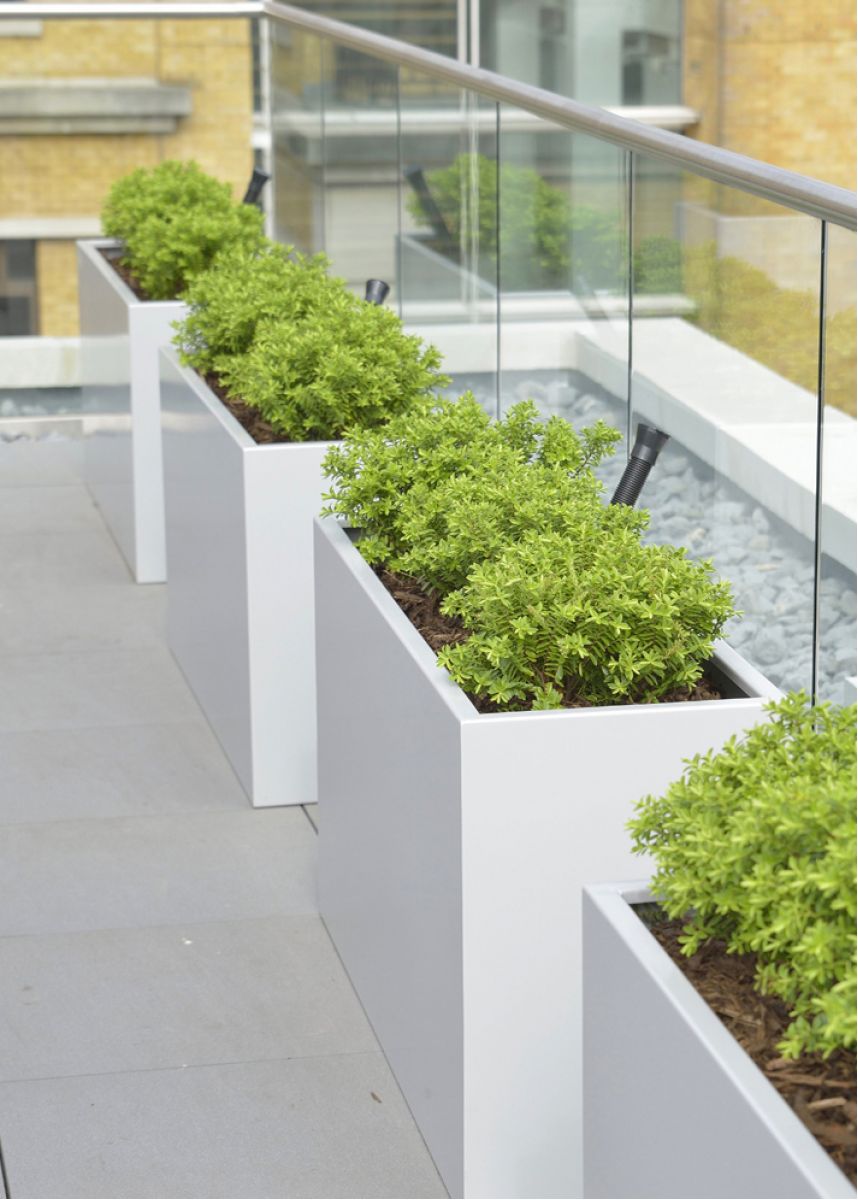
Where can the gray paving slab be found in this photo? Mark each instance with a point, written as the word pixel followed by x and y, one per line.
pixel 132 770
pixel 312 811
pixel 59 560
pixel 115 687
pixel 50 620
pixel 61 509
pixel 138 999
pixel 40 463
pixel 159 870
pixel 311 1127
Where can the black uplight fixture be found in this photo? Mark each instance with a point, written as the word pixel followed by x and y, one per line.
pixel 258 181
pixel 649 442
pixel 376 291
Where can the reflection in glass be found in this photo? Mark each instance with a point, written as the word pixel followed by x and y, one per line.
pixel 725 342
pixel 449 237
pixel 836 666
pixel 297 137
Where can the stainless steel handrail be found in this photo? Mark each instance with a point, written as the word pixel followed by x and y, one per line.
pixel 787 188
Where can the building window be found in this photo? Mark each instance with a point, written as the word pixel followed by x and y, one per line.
pixel 18 308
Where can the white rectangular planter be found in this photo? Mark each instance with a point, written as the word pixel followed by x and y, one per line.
pixel 673 1106
pixel 120 340
pixel 453 848
pixel 240 600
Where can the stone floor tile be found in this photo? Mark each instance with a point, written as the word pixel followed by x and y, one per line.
pixel 116 687
pixel 39 620
pixel 69 876
pixel 45 462
pixel 60 560
pixel 138 999
pixel 132 770
pixel 312 1127
pixel 61 509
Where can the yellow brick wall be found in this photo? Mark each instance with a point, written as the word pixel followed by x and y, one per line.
pixel 775 81
pixel 69 175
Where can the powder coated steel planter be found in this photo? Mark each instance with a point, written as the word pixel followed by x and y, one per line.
pixel 673 1106
pixel 453 848
pixel 120 340
pixel 240 600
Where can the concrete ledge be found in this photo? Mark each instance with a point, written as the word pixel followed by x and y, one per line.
pixel 52 106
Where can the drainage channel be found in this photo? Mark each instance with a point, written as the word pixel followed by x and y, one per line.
pixel 4 1178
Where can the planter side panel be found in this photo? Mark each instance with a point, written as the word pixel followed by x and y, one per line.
pixel 121 337
pixel 151 327
pixel 284 493
pixel 389 841
pixel 207 617
pixel 106 386
pixel 545 801
pixel 666 1115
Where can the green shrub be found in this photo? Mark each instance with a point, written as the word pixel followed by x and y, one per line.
pixel 245 287
pixel 349 365
pixel 585 613
pixel 506 521
pixel 756 845
pixel 173 220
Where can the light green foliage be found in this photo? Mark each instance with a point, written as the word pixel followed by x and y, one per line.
pixel 756 845
pixel 585 611
pixel 246 287
pixel 506 521
pixel 174 220
pixel 350 364
pixel 539 477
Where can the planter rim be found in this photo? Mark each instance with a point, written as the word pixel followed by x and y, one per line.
pixel 614 901
pixel 92 248
pixel 225 418
pixel 725 657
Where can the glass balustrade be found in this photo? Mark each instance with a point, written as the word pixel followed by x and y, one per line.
pixel 546 263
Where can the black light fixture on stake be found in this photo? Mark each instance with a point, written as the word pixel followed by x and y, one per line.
pixel 648 445
pixel 258 181
pixel 376 291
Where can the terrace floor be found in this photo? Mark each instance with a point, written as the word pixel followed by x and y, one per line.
pixel 174 1020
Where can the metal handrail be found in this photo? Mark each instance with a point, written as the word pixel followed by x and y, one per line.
pixel 787 188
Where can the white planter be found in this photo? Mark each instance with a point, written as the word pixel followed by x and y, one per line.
pixel 120 340
pixel 673 1106
pixel 240 600
pixel 453 847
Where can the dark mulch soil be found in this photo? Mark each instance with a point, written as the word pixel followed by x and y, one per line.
pixel 249 418
pixel 820 1091
pixel 125 274
pixel 438 630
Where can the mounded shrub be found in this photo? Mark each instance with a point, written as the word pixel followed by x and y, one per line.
pixel 561 601
pixel 755 845
pixel 293 343
pixel 247 286
pixel 173 221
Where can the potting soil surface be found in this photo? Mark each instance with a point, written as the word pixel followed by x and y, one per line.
pixel 820 1091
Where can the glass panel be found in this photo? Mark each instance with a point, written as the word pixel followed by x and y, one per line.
pixel 432 26
pixel 361 167
pixel 725 346
pixel 564 274
pixel 297 137
pixel 836 664
pixel 607 52
pixel 448 244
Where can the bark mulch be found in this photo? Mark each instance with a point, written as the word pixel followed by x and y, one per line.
pixel 249 418
pixel 820 1091
pixel 125 274
pixel 424 612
